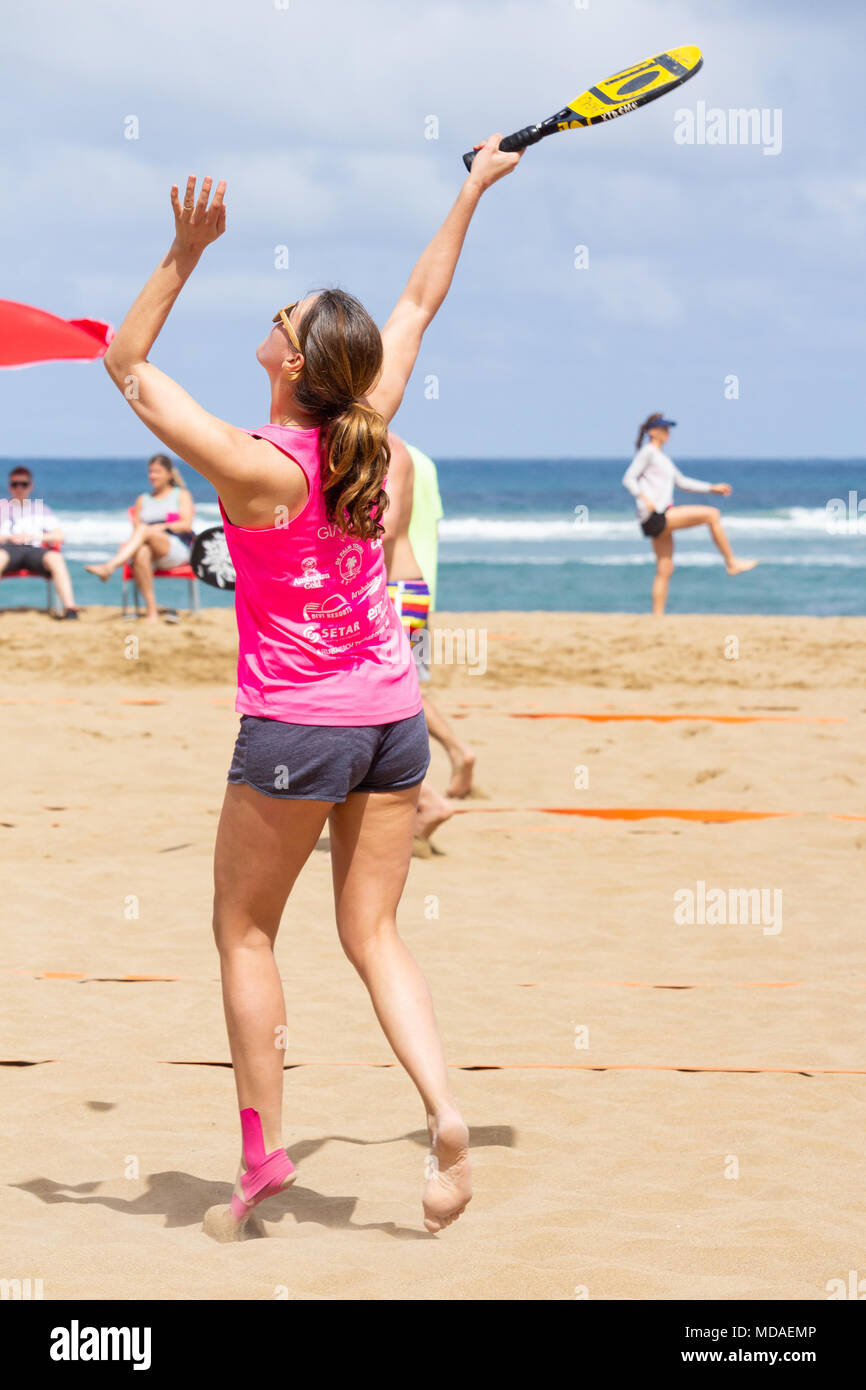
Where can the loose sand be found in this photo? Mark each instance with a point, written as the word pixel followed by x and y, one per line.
pixel 658 1109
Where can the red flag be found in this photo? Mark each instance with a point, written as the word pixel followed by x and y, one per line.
pixel 29 335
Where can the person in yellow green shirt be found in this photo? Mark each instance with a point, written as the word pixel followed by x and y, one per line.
pixel 411 544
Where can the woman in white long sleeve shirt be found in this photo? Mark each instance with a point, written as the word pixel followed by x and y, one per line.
pixel 650 478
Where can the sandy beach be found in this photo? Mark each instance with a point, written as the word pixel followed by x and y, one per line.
pixel 660 1108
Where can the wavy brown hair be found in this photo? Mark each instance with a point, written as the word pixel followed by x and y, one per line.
pixel 342 350
pixel 647 426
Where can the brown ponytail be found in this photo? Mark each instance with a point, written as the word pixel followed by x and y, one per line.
pixel 358 455
pixel 647 426
pixel 342 350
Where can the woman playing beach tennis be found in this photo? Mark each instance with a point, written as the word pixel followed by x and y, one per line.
pixel 650 478
pixel 332 726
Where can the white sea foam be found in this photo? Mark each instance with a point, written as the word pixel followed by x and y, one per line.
pixel 99 533
pixel 528 529
pixel 684 560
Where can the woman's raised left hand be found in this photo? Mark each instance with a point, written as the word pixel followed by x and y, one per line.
pixel 197 225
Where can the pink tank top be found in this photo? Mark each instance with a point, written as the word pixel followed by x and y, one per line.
pixel 319 641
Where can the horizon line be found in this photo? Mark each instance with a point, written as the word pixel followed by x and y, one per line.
pixel 483 458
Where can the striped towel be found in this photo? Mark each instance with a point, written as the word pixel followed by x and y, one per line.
pixel 411 598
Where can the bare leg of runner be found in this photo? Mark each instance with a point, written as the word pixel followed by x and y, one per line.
pixel 663 546
pixel 460 755
pixel 681 517
pixel 433 810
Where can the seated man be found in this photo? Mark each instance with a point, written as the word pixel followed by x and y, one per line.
pixel 28 530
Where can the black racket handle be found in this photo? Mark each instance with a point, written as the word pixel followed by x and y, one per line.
pixel 510 144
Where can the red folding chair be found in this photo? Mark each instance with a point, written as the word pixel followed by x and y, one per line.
pixel 179 572
pixel 25 574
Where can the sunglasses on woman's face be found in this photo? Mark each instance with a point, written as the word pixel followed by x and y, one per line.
pixel 283 318
pixel 20 482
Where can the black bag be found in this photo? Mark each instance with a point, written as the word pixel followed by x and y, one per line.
pixel 210 559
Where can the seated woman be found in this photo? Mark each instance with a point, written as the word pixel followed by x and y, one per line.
pixel 162 533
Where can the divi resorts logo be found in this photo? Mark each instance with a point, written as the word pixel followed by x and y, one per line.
pixel 77 1343
pixel 335 606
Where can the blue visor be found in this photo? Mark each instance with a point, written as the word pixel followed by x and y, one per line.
pixel 663 424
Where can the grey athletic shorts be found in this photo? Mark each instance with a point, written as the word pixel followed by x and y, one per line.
pixel 314 762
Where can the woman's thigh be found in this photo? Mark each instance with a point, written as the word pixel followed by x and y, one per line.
pixel 371 850
pixel 159 542
pixel 262 844
pixel 680 517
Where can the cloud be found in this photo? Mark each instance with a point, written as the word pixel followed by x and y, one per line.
pixel 316 114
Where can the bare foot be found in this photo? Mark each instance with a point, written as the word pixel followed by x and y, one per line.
pixel 449 1172
pixel 462 767
pixel 741 566
pixel 102 572
pixel 221 1223
pixel 433 811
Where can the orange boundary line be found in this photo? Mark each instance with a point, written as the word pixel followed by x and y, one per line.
pixel 688 718
pixel 106 979
pixel 109 979
pixel 632 812
pixel 534 984
pixel 566 1066
pixel 704 984
pixel 649 813
pixel 592 717
pixel 496 1066
pixel 50 700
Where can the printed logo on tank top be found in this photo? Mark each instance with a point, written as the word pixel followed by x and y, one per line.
pixel 341 637
pixel 374 583
pixel 333 607
pixel 310 577
pixel 335 639
pixel 349 562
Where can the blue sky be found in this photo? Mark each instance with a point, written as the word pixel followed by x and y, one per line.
pixel 704 261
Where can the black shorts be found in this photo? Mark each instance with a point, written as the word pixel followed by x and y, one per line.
pixel 654 524
pixel 316 762
pixel 24 557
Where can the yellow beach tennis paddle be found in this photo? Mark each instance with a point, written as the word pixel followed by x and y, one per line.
pixel 615 96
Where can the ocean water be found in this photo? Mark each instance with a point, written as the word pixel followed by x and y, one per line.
pixel 555 534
